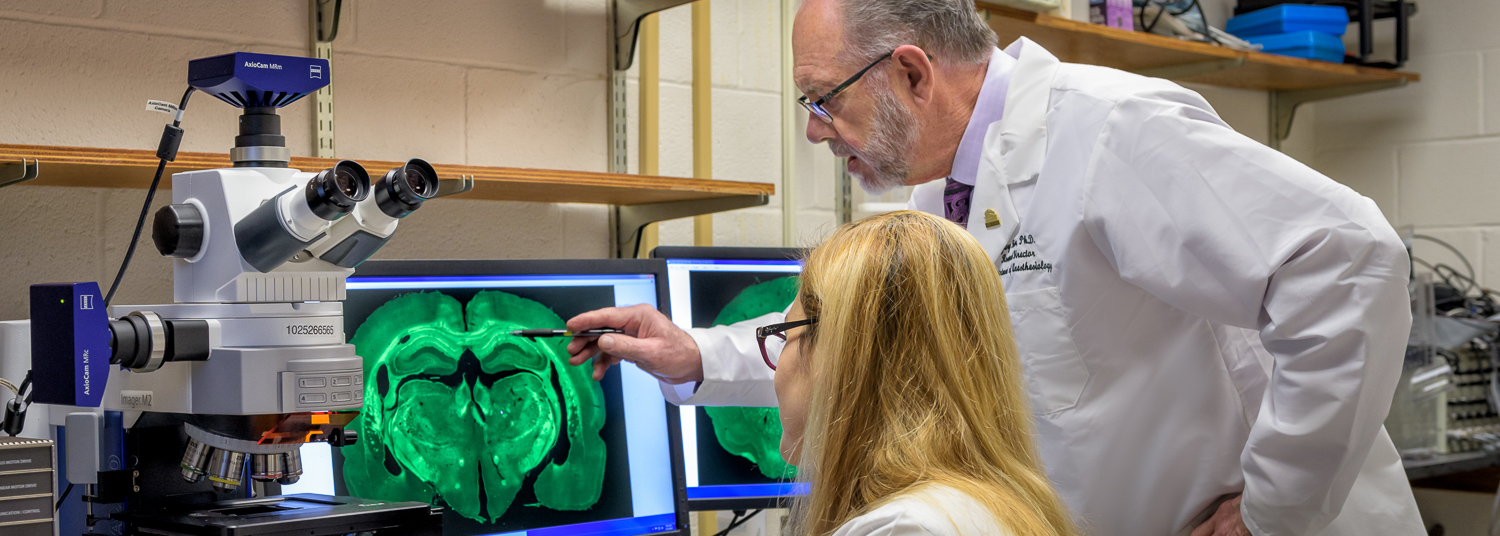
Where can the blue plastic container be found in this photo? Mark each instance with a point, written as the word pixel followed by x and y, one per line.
pixel 1290 18
pixel 1310 45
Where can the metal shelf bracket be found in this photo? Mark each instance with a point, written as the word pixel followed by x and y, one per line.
pixel 463 184
pixel 325 27
pixel 1284 103
pixel 325 19
pixel 16 173
pixel 1189 70
pixel 627 16
pixel 630 219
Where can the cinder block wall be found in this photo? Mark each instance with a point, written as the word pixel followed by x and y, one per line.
pixel 746 70
pixel 747 130
pixel 513 83
pixel 1428 153
pixel 516 83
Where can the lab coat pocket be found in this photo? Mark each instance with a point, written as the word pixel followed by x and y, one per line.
pixel 1055 372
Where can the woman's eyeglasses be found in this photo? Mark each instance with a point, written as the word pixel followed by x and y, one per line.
pixel 778 331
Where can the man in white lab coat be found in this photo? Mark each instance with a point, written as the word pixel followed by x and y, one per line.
pixel 1210 329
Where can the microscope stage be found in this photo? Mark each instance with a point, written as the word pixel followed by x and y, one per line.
pixel 303 514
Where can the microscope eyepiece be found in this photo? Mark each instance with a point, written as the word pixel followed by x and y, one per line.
pixel 335 191
pixel 403 189
pixel 421 178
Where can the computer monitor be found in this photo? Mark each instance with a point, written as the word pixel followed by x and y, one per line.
pixel 497 428
pixel 732 454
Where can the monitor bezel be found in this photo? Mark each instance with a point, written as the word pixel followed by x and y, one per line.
pixel 729 253
pixel 711 253
pixel 509 267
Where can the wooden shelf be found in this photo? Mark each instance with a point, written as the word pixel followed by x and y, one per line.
pixel 1081 42
pixel 132 168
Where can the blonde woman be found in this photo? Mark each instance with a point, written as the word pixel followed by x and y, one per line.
pixel 901 391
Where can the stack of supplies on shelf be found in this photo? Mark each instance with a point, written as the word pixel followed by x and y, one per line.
pixel 1112 13
pixel 1303 31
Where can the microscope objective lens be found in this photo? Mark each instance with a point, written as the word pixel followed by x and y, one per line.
pixel 226 468
pixel 266 466
pixel 292 464
pixel 195 461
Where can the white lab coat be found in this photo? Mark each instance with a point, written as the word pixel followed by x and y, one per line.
pixel 931 511
pixel 1197 314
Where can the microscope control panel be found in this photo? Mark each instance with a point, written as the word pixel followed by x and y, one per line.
pixel 323 390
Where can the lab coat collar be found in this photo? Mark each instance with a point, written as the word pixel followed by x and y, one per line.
pixel 1023 130
pixel 989 108
pixel 1021 148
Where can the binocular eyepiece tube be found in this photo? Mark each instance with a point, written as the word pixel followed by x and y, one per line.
pixel 277 230
pixel 403 189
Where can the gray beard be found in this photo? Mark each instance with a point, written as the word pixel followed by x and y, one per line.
pixel 888 150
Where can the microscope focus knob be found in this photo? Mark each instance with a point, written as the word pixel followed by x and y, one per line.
pixel 343 437
pixel 178 231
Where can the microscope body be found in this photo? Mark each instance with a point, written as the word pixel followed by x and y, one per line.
pixel 278 372
pixel 267 330
pixel 250 361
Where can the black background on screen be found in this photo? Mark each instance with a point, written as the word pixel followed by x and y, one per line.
pixel 710 292
pixel 615 500
pixel 716 466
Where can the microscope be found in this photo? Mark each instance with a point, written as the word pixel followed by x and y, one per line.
pixel 220 390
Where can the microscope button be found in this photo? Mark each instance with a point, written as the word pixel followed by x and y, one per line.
pixel 315 398
pixel 341 381
pixel 344 396
pixel 314 382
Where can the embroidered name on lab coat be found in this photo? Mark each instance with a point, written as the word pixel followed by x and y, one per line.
pixel 1020 250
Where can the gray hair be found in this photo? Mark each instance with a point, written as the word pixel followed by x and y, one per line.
pixel 950 30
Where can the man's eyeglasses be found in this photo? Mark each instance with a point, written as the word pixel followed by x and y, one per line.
pixel 778 331
pixel 816 108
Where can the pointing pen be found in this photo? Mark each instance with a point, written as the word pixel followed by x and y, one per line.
pixel 533 333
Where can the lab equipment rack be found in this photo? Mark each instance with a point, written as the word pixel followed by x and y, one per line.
pixel 1289 81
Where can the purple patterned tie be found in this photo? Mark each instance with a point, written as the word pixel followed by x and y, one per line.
pixel 956 202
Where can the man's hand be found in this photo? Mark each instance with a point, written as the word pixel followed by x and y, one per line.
pixel 652 342
pixel 1225 522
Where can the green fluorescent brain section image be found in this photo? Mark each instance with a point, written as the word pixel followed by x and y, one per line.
pixel 755 433
pixel 435 424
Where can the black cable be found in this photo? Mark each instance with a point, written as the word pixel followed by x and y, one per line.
pixel 1207 31
pixel 62 497
pixel 1160 10
pixel 1467 266
pixel 135 238
pixel 140 222
pixel 738 520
